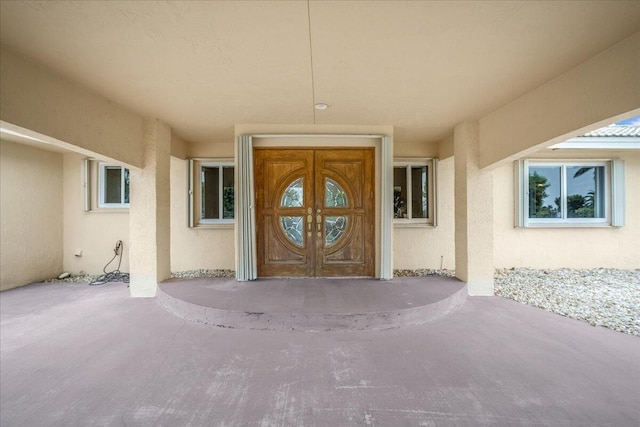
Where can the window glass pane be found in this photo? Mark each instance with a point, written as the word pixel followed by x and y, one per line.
pixel 419 192
pixel 293 195
pixel 227 192
pixel 112 184
pixel 126 185
pixel 544 192
pixel 400 192
pixel 210 185
pixel 334 195
pixel 334 228
pixel 585 192
pixel 292 227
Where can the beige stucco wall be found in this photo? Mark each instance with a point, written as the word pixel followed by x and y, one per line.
pixel 30 215
pixel 430 247
pixel 414 247
pixel 414 149
pixel 63 113
pixel 150 213
pixel 213 149
pixel 566 247
pixel 195 248
pixel 53 227
pixel 96 232
pixel 596 93
pixel 207 247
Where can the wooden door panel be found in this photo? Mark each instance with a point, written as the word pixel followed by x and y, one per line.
pixel 349 174
pixel 351 249
pixel 353 253
pixel 275 170
pixel 340 250
pixel 278 249
pixel 277 174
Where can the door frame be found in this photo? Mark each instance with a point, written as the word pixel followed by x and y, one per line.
pixel 245 229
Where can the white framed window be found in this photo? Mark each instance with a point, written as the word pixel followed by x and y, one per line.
pixel 113 186
pixel 211 192
pixel 567 193
pixel 414 192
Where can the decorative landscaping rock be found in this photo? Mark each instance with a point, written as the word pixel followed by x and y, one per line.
pixel 423 272
pixel 602 296
pixel 81 277
pixel 193 274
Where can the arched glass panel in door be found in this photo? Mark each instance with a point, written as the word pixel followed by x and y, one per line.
pixel 334 194
pixel 334 226
pixel 293 195
pixel 293 226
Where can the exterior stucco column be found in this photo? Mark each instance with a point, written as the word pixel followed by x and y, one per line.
pixel 149 213
pixel 473 212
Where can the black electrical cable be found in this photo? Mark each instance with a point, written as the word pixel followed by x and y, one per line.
pixel 115 275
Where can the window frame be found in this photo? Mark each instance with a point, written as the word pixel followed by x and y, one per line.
pixel 431 165
pixel 195 192
pixel 102 167
pixel 613 193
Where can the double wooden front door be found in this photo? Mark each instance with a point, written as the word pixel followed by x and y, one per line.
pixel 315 212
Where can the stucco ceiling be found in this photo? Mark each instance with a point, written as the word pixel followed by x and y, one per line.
pixel 422 67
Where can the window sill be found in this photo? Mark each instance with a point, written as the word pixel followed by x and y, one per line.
pixel 411 224
pixel 215 226
pixel 569 225
pixel 109 210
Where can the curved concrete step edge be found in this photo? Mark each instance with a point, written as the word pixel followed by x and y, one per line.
pixel 311 322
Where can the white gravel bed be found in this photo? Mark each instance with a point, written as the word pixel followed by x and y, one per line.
pixel 81 277
pixel 194 274
pixel 602 297
pixel 424 272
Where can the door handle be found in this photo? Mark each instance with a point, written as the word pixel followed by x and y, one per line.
pixel 309 221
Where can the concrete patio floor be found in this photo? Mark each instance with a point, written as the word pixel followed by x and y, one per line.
pixel 75 355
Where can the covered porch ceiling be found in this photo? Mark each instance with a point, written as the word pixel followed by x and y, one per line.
pixel 422 67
